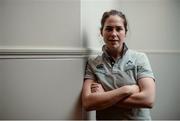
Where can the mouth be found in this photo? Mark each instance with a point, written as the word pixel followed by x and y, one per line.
pixel 113 40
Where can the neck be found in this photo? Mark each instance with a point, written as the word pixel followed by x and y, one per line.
pixel 115 53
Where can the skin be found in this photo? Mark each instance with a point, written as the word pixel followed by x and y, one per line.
pixel 94 97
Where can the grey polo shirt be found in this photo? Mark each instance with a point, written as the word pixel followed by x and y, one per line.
pixel 126 70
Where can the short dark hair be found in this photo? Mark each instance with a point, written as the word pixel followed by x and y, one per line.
pixel 113 12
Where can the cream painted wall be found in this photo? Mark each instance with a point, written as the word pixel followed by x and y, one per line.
pixel 41 89
pixel 43 48
pixel 41 60
pixel 40 24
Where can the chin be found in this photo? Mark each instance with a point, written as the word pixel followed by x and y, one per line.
pixel 115 46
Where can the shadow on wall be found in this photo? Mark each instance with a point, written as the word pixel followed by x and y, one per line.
pixel 85 41
pixel 78 113
pixel 85 44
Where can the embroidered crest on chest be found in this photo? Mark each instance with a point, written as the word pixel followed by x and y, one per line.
pixel 129 65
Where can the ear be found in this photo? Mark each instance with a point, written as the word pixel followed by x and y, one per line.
pixel 125 33
pixel 101 32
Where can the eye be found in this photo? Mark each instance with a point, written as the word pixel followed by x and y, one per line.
pixel 109 29
pixel 118 29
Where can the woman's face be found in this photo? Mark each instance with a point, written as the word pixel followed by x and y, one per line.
pixel 114 32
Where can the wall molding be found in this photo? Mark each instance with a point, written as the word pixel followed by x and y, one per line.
pixel 160 51
pixel 33 53
pixel 43 53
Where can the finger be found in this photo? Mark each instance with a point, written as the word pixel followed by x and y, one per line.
pixel 93 90
pixel 94 84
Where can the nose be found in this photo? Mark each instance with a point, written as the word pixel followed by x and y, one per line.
pixel 114 33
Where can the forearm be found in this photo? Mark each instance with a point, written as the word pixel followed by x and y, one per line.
pixel 138 100
pixel 145 98
pixel 101 100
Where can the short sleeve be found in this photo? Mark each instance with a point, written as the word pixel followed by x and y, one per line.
pixel 89 73
pixel 143 67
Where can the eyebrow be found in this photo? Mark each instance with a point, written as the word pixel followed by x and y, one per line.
pixel 112 26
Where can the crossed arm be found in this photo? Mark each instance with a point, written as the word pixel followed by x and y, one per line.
pixel 144 98
pixel 95 98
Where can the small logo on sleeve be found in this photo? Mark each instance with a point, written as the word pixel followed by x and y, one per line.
pixel 100 66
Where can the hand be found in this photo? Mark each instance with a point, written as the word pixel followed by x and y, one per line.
pixel 131 89
pixel 134 88
pixel 96 87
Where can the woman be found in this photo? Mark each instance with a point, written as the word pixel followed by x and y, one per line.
pixel 119 84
